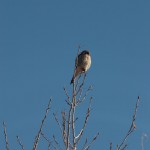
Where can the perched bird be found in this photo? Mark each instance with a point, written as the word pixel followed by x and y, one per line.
pixel 82 64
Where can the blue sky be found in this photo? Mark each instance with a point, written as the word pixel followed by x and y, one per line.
pixel 38 45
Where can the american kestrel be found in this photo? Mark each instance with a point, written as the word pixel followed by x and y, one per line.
pixel 82 64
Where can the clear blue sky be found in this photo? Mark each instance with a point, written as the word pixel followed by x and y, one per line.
pixel 38 45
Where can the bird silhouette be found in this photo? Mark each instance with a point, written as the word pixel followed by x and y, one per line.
pixel 82 64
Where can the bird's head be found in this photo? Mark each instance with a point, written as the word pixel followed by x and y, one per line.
pixel 85 52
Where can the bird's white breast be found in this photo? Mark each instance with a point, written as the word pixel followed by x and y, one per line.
pixel 87 62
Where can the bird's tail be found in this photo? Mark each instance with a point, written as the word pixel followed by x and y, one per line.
pixel 77 72
pixel 72 80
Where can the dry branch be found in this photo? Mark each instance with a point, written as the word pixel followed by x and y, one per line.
pixel 20 143
pixel 85 123
pixel 37 138
pixel 143 137
pixel 68 128
pixel 132 128
pixel 6 137
pixel 82 98
pixel 49 142
pixel 93 140
pixel 110 146
pixel 56 142
pixel 62 127
pixel 68 97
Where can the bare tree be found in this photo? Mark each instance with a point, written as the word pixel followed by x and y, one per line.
pixel 67 123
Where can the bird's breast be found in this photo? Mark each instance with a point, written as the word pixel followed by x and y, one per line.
pixel 86 62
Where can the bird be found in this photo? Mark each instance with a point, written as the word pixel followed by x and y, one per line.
pixel 82 64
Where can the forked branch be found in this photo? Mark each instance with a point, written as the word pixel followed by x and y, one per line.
pixel 132 128
pixel 37 138
pixel 85 122
pixel 20 143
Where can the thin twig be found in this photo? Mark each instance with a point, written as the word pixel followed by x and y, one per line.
pixel 85 122
pixel 73 117
pixel 81 85
pixel 77 82
pixel 56 142
pixel 6 137
pixel 64 134
pixel 73 127
pixel 93 140
pixel 81 99
pixel 110 146
pixel 143 137
pixel 40 130
pixel 20 143
pixel 55 116
pixel 62 127
pixel 85 143
pixel 49 142
pixel 132 128
pixel 68 97
pixel 68 127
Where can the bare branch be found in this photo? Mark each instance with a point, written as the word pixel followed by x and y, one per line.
pixel 93 140
pixel 68 127
pixel 143 137
pixel 64 134
pixel 20 143
pixel 62 127
pixel 85 122
pixel 55 116
pixel 73 127
pixel 6 137
pixel 81 85
pixel 77 82
pixel 49 142
pixel 40 130
pixel 85 143
pixel 110 146
pixel 81 99
pixel 132 128
pixel 57 143
pixel 68 97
